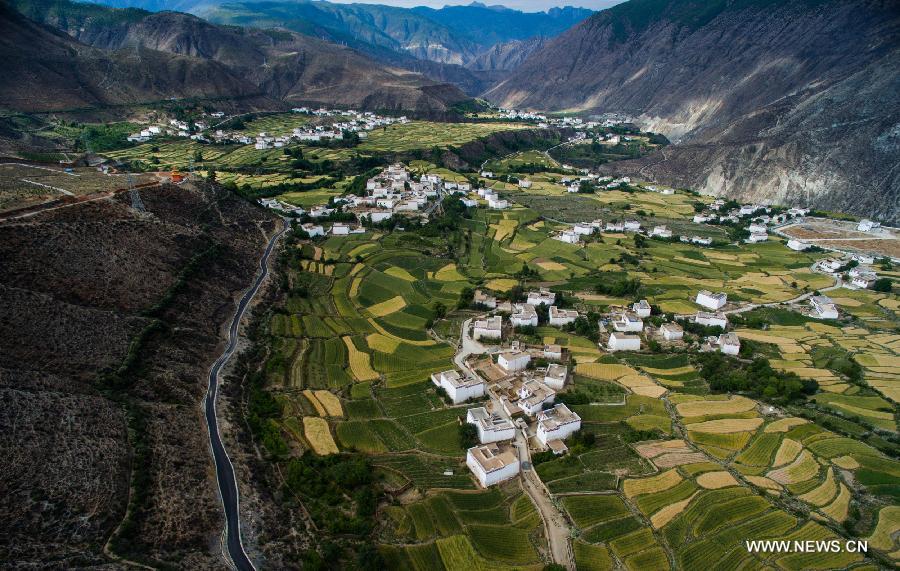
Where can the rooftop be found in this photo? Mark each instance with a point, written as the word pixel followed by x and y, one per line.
pixel 495 322
pixel 488 420
pixel 553 418
pixel 556 371
pixel 493 457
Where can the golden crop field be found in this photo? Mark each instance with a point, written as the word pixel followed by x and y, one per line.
pixel 318 434
pixel 359 362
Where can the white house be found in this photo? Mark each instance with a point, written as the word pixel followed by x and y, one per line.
pixel 553 352
pixel 671 331
pixel 583 229
pixel 711 300
pixel 492 427
pixel 497 203
pixel 469 202
pixel 700 218
pixel 641 308
pixel 340 229
pixel 661 232
pixel 756 238
pixel 628 322
pixel 458 387
pixel 798 245
pixel 701 241
pixel 569 237
pixel 823 307
pixel 757 228
pixel 490 328
pixel 866 225
pixel 559 317
pixel 524 315
pixel 544 296
pixel 557 423
pixel 623 342
pixel 492 463
pixel 484 299
pixel 729 343
pixel 513 360
pixel 313 229
pixel 615 227
pixel 717 319
pixel 632 226
pixel 864 281
pixel 487 174
pixel 863 258
pixel 555 376
pixel 532 395
pixel 524 183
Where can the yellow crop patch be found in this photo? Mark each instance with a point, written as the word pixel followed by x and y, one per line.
pixel 319 436
pixel 784 424
pixel 388 307
pixel 604 371
pixel 311 397
pixel 503 229
pixel 379 342
pixel 331 403
pixel 658 483
pixel 449 273
pixel 716 480
pixel 501 284
pixel 727 425
pixel 551 266
pixel 788 450
pixel 668 513
pixel 706 407
pixel 386 333
pixel 359 362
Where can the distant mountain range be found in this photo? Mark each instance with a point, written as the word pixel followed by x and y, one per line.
pixel 110 56
pixel 449 35
pixel 793 101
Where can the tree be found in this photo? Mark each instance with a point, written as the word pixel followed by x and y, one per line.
pixel 211 175
pixel 468 435
pixel 198 156
pixel 884 285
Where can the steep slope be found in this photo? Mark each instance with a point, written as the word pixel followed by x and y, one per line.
pixel 110 320
pixel 47 70
pixel 783 100
pixel 507 55
pixel 286 66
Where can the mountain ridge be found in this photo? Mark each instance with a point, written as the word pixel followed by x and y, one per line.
pixel 774 85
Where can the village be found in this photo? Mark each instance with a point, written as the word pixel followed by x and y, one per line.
pixel 327 129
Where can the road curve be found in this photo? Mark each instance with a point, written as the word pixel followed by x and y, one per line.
pixel 228 489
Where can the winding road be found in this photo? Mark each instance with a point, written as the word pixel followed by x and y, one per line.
pixel 225 477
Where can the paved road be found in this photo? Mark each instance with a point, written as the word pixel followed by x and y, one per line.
pixel 224 468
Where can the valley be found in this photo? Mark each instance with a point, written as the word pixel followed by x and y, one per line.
pixel 309 285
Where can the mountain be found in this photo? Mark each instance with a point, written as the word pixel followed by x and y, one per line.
pixel 454 35
pixel 767 100
pixel 506 56
pixel 52 71
pixel 285 66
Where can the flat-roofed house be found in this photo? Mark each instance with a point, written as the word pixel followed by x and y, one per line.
pixel 482 298
pixel 711 300
pixel 524 315
pixel 717 319
pixel 458 387
pixel 513 360
pixel 823 307
pixel 492 463
pixel 798 245
pixel 671 331
pixel 490 328
pixel 623 342
pixel 313 230
pixel 628 322
pixel 729 343
pixel 532 395
pixel 555 376
pixel 561 317
pixel 544 296
pixel 641 308
pixel 557 423
pixel 553 352
pixel 491 426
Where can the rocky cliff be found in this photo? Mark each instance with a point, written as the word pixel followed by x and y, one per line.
pixel 791 101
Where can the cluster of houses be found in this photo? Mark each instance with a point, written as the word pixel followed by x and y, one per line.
pixel 359 122
pixel 394 190
pixel 859 276
pixel 520 399
pixel 761 217
pixel 574 234
pixel 493 199
pixel 520 314
pixel 174 128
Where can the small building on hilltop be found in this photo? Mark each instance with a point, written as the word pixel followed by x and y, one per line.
pixel 491 426
pixel 557 423
pixel 492 463
pixel 458 387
